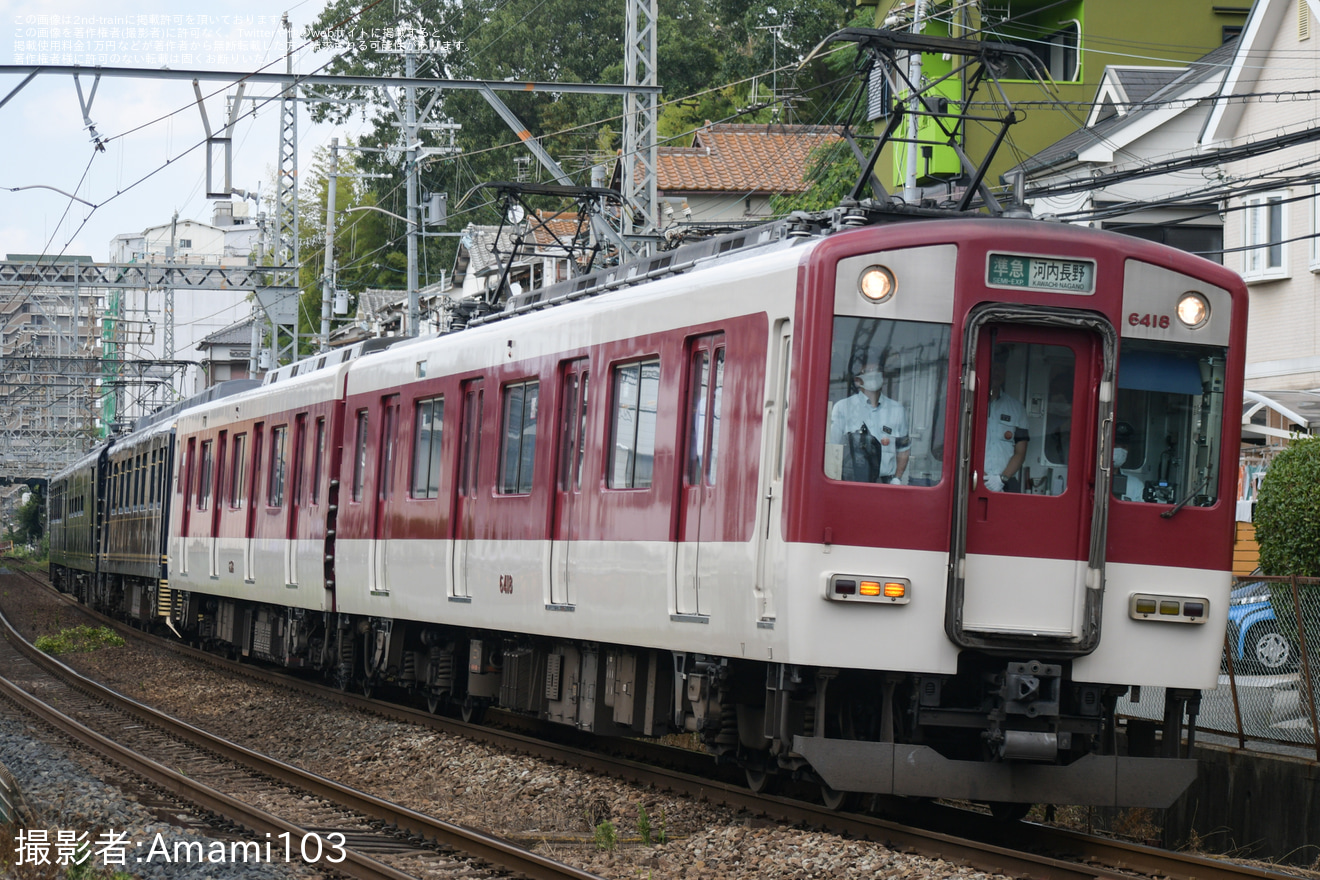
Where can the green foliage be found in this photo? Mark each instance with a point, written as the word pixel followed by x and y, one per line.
pixel 1287 514
pixel 607 839
pixel 29 523
pixel 662 836
pixel 832 173
pixel 79 640
pixel 643 825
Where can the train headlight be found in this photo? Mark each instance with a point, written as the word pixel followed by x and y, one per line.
pixel 1193 310
pixel 1174 609
pixel 876 284
pixel 866 588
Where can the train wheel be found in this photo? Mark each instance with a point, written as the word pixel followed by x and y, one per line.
pixel 1008 812
pixel 761 780
pixel 472 711
pixel 368 687
pixel 433 703
pixel 835 800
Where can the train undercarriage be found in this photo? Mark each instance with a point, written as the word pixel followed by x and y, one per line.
pixel 1005 731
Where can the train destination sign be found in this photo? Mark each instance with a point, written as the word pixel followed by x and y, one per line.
pixel 1040 273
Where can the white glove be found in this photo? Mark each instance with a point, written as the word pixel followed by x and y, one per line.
pixel 899 481
pixel 994 482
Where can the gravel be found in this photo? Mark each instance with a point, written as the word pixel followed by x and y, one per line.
pixel 552 808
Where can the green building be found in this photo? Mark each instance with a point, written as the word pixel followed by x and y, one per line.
pixel 1074 40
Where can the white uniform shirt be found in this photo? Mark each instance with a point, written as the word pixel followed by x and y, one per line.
pixel 1006 425
pixel 886 421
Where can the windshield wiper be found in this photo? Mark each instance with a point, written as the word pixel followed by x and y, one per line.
pixel 1168 514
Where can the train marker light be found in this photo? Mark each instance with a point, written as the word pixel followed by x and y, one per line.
pixel 862 588
pixel 877 284
pixel 1171 609
pixel 1193 310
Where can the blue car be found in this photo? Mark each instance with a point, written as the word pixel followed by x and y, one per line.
pixel 1259 644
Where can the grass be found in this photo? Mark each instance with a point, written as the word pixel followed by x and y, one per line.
pixel 79 640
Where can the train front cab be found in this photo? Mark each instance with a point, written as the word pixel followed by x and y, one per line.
pixel 1054 593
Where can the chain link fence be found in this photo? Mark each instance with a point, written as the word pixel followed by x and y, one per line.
pixel 1269 669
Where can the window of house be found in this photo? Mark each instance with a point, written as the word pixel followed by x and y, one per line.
pixel 1315 227
pixel 428 422
pixel 1263 223
pixel 1049 29
pixel 518 438
pixel 636 390
pixel 278 451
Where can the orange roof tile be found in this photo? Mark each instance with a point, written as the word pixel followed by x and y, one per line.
pixel 742 158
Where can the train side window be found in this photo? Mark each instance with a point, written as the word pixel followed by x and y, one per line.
pixel 888 382
pixel 204 478
pixel 151 475
pixel 360 455
pixel 278 466
pixel 428 423
pixel 636 392
pixel 518 445
pixel 318 459
pixel 238 473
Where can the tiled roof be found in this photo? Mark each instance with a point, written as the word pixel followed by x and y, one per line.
pixel 742 158
pixel 235 334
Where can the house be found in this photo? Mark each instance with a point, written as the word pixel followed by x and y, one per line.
pixel 1140 115
pixel 1271 218
pixel 1074 41
pixel 226 353
pixel 730 172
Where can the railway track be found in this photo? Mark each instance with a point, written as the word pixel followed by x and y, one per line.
pixel 1024 849
pixel 306 817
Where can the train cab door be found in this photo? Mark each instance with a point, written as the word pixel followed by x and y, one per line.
pixel 378 549
pixel 1039 397
pixel 294 507
pixel 217 503
pixel 574 386
pixel 699 519
pixel 466 498
pixel 771 554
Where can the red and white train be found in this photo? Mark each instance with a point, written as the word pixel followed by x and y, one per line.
pixel 633 504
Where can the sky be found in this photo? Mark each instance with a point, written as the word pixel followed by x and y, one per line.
pixel 147 170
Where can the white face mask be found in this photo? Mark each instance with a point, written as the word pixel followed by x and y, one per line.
pixel 872 381
pixel 1120 456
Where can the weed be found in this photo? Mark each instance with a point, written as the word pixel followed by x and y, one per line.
pixel 643 825
pixel 79 640
pixel 661 836
pixel 607 839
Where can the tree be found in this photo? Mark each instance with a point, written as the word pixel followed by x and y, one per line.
pixel 30 518
pixel 1287 518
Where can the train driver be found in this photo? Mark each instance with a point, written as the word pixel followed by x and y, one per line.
pixel 1006 433
pixel 871 427
pixel 1124 485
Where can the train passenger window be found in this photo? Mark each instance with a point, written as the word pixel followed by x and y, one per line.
pixel 704 398
pixel 573 430
pixel 204 478
pixel 238 473
pixel 151 473
pixel 632 444
pixel 428 424
pixel 518 446
pixel 278 466
pixel 1168 423
pixel 887 387
pixel 360 455
pixel 389 430
pixel 318 459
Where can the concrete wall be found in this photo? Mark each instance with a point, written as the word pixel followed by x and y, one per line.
pixel 1251 805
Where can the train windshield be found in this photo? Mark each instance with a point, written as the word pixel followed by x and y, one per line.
pixel 888 382
pixel 1168 424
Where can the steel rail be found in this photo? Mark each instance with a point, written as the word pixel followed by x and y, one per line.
pixel 982 849
pixel 474 843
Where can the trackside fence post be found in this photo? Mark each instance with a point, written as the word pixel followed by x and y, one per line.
pixel 1232 685
pixel 1306 661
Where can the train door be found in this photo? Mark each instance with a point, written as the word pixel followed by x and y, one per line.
pixel 568 476
pixel 465 504
pixel 295 500
pixel 699 519
pixel 254 502
pixel 185 485
pixel 1032 529
pixel 378 549
pixel 770 556
pixel 218 505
